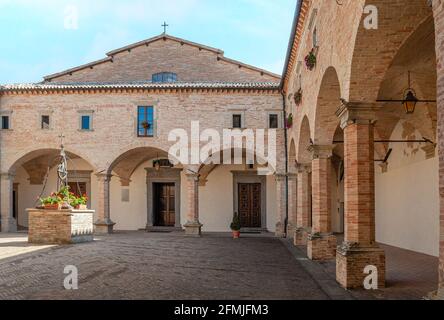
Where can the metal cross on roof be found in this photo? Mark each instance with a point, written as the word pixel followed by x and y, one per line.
pixel 165 25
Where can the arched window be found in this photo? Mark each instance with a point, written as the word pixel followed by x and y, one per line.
pixel 164 77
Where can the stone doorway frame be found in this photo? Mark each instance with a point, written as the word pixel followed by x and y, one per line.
pixel 164 175
pixel 251 176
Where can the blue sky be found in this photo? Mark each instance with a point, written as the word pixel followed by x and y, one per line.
pixel 39 37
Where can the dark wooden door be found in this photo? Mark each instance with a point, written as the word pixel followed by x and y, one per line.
pixel 165 204
pixel 78 188
pixel 250 201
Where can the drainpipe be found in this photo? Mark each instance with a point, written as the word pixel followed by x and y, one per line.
pixel 284 105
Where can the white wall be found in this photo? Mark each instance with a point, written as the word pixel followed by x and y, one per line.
pixel 407 198
pixel 28 194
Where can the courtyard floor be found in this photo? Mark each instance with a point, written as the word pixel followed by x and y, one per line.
pixel 139 265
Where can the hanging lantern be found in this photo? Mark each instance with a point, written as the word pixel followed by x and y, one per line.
pixel 157 165
pixel 410 101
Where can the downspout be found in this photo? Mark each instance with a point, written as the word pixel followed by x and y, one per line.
pixel 284 105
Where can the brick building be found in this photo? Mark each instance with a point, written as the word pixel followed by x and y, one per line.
pixel 358 165
pixel 365 167
pixel 116 116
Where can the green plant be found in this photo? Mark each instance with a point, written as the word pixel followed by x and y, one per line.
pixel 310 60
pixel 146 125
pixel 51 200
pixel 289 122
pixel 79 201
pixel 235 225
pixel 298 97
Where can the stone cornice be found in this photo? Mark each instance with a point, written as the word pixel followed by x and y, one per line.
pixel 357 112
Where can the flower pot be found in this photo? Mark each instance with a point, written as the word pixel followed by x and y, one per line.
pixel 81 207
pixel 236 234
pixel 56 206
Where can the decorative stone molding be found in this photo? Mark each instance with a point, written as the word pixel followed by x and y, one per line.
pixel 164 175
pixel 321 152
pixel 303 168
pixel 430 151
pixel 357 113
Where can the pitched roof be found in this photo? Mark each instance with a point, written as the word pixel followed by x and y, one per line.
pixel 138 85
pixel 295 37
pixel 111 54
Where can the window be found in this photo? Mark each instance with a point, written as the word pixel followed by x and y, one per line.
pixel 164 77
pixel 5 122
pixel 273 121
pixel 86 123
pixel 237 121
pixel 45 122
pixel 145 122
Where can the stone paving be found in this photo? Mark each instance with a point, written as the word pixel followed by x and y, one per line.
pixel 161 266
pixel 139 265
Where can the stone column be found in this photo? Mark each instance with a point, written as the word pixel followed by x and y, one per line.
pixel 103 225
pixel 292 205
pixel 9 224
pixel 438 10
pixel 193 227
pixel 321 244
pixel 281 207
pixel 359 249
pixel 303 205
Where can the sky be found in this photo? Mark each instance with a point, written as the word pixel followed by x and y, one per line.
pixel 41 37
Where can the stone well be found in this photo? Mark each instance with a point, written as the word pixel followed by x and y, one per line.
pixel 60 226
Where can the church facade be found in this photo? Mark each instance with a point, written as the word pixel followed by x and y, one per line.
pixel 358 160
pixel 115 117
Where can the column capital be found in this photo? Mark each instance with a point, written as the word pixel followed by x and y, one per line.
pixel 321 152
pixel 357 113
pixel 292 176
pixel 280 177
pixel 303 167
pixel 7 175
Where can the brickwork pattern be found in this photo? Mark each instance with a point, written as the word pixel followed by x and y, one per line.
pixel 321 247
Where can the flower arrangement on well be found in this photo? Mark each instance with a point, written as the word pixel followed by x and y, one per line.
pixel 63 198
pixel 310 60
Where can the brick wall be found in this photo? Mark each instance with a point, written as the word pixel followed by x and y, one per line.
pixel 439 32
pixel 189 62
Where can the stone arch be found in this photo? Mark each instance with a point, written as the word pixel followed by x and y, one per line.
pixel 292 156
pixel 129 160
pixel 417 55
pixel 302 153
pixel 328 102
pixel 374 50
pixel 37 162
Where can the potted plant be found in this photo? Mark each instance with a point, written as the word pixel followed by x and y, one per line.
pixel 310 60
pixel 79 203
pixel 53 202
pixel 145 125
pixel 298 97
pixel 289 122
pixel 236 226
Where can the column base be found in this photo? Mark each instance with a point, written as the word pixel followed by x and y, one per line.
pixel 104 227
pixel 291 230
pixel 351 261
pixel 9 226
pixel 321 247
pixel 193 229
pixel 280 230
pixel 301 236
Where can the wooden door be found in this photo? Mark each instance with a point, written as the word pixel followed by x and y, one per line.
pixel 78 188
pixel 250 205
pixel 165 204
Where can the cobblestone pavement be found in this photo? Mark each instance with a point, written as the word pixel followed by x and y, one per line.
pixel 160 266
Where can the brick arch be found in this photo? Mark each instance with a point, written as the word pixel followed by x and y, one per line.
pixel 129 160
pixel 418 55
pixel 374 50
pixel 302 153
pixel 328 102
pixel 36 162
